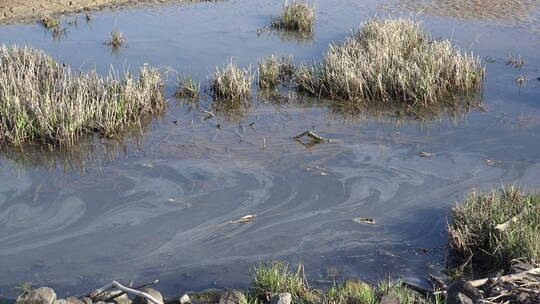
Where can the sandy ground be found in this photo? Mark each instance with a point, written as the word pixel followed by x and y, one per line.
pixel 21 11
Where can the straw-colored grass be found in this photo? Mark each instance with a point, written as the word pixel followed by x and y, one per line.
pixel 274 70
pixel 116 40
pixel 474 232
pixel 43 101
pixel 187 87
pixel 391 60
pixel 231 83
pixel 297 15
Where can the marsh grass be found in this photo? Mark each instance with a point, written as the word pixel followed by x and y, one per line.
pixel 350 292
pixel 117 39
pixel 187 87
pixel 275 70
pixel 392 60
pixel 231 84
pixel 50 22
pixel 275 277
pixel 474 234
pixel 44 102
pixel 397 289
pixel 297 15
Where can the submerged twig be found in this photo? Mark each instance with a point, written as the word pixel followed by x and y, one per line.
pixel 507 278
pixel 117 285
pixel 137 287
pixel 314 137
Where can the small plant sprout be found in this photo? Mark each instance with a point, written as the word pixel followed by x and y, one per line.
pixel 116 40
pixel 521 80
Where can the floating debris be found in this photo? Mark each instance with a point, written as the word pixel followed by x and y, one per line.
pixel 148 165
pixel 244 219
pixel 208 115
pixel 490 59
pixel 177 202
pixel 493 161
pixel 364 220
pixel 425 154
pixel 313 136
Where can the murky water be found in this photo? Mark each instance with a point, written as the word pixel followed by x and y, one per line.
pixel 160 206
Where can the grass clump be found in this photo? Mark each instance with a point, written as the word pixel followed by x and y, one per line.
pixel 296 15
pixel 392 60
pixel 231 83
pixel 275 277
pixel 116 40
pixel 494 229
pixel 187 87
pixel 405 295
pixel 43 101
pixel 274 70
pixel 50 22
pixel 350 291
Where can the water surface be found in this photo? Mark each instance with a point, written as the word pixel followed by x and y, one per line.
pixel 160 206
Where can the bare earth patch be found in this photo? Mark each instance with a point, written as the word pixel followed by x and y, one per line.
pixel 23 11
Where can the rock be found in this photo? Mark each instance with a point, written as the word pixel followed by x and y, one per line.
pixel 75 300
pixel 124 299
pixel 42 295
pixel 388 299
pixel 151 291
pixel 232 297
pixel 103 297
pixel 282 298
pixel 184 299
pixel 465 288
pixel 458 298
pixel 86 300
pixel 211 295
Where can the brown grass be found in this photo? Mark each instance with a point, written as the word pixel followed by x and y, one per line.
pixel 297 15
pixel 231 83
pixel 392 60
pixel 43 101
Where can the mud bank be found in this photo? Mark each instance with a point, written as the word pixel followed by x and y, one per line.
pixel 32 10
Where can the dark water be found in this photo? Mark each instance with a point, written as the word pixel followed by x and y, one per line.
pixel 160 206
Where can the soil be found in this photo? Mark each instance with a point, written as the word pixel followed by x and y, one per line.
pixel 26 11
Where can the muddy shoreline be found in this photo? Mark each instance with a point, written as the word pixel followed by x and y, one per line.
pixel 12 12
